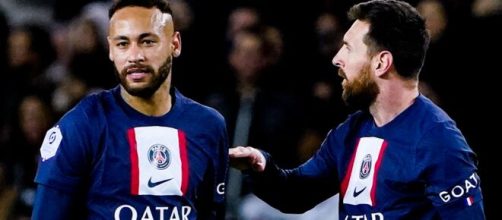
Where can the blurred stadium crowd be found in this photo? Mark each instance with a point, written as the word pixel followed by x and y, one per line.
pixel 264 64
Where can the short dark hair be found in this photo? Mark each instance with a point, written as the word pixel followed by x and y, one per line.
pixel 397 27
pixel 162 5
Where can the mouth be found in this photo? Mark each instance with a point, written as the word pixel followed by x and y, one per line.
pixel 132 70
pixel 341 74
pixel 137 73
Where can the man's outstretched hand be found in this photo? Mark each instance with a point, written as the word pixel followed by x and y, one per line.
pixel 244 158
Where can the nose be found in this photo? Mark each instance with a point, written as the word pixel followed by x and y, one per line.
pixel 337 61
pixel 136 54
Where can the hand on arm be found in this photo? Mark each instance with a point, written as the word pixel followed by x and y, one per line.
pixel 244 158
pixel 279 187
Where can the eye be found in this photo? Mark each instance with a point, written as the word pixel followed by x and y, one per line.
pixel 346 47
pixel 148 42
pixel 122 44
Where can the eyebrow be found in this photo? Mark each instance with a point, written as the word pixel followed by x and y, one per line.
pixel 120 38
pixel 144 35
pixel 141 36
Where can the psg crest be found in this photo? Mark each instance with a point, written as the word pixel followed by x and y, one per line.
pixel 159 156
pixel 365 167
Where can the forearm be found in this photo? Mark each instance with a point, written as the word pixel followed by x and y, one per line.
pixel 292 191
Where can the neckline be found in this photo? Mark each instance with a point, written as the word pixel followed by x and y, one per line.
pixel 398 119
pixel 176 108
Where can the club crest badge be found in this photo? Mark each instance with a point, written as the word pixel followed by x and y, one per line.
pixel 365 167
pixel 159 156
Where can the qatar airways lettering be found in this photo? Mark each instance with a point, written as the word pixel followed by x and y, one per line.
pixel 164 212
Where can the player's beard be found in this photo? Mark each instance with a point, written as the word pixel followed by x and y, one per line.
pixel 156 81
pixel 362 91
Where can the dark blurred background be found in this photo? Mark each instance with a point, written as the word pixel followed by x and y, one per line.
pixel 264 64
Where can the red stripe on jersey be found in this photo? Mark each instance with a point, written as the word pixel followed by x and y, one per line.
pixel 133 155
pixel 346 179
pixel 184 161
pixel 377 168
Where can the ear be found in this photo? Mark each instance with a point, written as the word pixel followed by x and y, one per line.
pixel 110 55
pixel 176 44
pixel 382 62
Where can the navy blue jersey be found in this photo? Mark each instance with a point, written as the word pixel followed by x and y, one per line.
pixel 132 166
pixel 418 166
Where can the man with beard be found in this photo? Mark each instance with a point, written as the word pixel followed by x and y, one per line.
pixel 142 149
pixel 400 156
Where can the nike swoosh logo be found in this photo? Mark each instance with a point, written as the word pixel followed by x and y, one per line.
pixel 356 193
pixel 154 184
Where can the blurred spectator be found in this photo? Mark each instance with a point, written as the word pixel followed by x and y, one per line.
pixel 329 33
pixel 436 69
pixel 252 59
pixel 482 8
pixel 436 22
pixel 479 92
pixel 435 16
pixel 35 118
pixel 86 66
pixel 30 52
pixel 240 19
pixel 97 12
pixel 8 194
pixel 201 24
pixel 68 94
pixel 324 107
pixel 58 70
pixel 88 56
pixel 255 113
pixel 183 15
pixel 183 18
